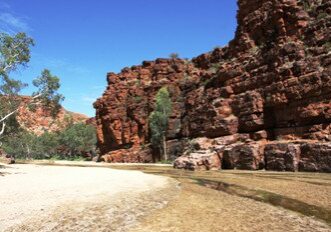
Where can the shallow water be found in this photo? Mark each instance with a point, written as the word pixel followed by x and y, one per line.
pixel 270 198
pixel 215 182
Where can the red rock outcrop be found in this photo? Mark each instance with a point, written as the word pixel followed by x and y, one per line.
pixel 40 119
pixel 269 90
pixel 123 111
pixel 91 121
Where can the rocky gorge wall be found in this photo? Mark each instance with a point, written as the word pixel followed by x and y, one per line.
pixel 264 101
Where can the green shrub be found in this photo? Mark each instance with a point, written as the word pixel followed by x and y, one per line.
pixel 71 143
pixel 327 46
pixel 214 68
pixel 137 99
pixel 174 55
pixel 207 81
pixel 322 15
pixel 138 82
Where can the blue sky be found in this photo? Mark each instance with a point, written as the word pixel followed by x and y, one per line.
pixel 80 41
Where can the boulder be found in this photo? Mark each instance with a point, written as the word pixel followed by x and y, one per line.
pixel 282 156
pixel 130 155
pixel 202 160
pixel 244 156
pixel 201 143
pixel 176 148
pixel 315 157
pixel 230 159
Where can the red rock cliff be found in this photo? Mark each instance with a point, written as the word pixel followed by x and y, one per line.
pixel 264 101
pixel 40 120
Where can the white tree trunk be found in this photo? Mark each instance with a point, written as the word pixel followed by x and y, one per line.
pixel 165 148
pixel 3 119
pixel 2 128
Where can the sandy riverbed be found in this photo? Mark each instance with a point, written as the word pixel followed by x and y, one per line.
pixel 54 198
pixel 93 197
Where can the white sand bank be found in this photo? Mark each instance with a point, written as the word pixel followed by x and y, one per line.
pixel 30 191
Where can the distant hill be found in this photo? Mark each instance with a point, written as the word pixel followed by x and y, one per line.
pixel 40 120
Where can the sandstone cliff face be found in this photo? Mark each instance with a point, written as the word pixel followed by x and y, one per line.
pixel 264 101
pixel 40 120
pixel 123 110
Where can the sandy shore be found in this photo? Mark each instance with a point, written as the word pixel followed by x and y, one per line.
pixel 55 198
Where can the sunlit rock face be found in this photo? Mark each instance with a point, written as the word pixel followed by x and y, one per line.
pixel 41 119
pixel 256 99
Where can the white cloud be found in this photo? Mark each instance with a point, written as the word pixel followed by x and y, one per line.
pixel 12 24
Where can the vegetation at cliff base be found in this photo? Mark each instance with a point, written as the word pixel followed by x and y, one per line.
pixel 76 141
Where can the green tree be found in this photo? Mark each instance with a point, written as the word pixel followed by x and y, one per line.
pixel 174 55
pixel 47 94
pixel 15 53
pixel 26 145
pixel 74 141
pixel 159 119
pixel 45 145
pixel 16 145
pixel 77 139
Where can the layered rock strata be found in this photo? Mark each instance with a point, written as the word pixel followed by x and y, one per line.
pixel 264 101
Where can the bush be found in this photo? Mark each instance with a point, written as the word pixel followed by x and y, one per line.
pixel 78 138
pixel 72 143
pixel 322 15
pixel 174 55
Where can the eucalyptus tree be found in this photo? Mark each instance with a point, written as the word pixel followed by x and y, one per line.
pixel 15 53
pixel 159 120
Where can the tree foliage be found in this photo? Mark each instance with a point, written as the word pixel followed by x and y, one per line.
pixel 159 119
pixel 78 138
pixel 174 55
pixel 74 141
pixel 15 53
pixel 47 87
